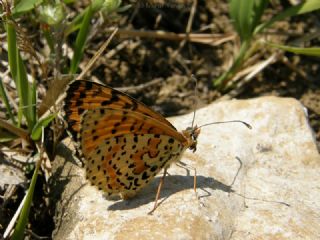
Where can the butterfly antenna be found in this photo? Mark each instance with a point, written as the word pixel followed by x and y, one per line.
pixel 195 100
pixel 233 121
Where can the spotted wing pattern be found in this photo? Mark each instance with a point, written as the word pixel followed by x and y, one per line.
pixel 85 95
pixel 123 142
pixel 124 150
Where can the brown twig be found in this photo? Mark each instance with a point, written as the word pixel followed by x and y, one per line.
pixel 97 55
pixel 203 38
pixel 15 130
pixel 188 28
pixel 299 71
pixel 141 86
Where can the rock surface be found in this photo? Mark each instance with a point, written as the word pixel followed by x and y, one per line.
pixel 252 184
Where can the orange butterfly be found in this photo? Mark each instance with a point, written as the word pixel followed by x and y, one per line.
pixel 124 143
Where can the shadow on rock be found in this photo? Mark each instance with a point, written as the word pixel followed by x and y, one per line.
pixel 172 184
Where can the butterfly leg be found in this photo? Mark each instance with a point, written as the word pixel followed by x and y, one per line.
pixel 158 191
pixel 187 167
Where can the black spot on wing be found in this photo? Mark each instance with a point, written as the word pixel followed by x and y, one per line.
pixel 145 176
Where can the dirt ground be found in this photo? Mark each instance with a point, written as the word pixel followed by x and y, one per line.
pixel 157 71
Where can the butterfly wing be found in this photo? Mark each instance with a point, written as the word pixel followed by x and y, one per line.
pixel 85 95
pixel 124 150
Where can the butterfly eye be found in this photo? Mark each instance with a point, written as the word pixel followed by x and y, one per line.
pixel 193 146
pixel 195 133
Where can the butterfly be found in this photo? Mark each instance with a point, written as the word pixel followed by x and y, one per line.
pixel 124 143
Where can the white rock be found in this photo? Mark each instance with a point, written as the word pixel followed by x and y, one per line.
pixel 275 194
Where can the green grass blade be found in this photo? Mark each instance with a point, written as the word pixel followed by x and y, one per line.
pixel 23 218
pixel 12 49
pixel 77 21
pixel 245 18
pixel 37 130
pixel 19 75
pixel 241 12
pixel 258 10
pixel 313 51
pixel 222 80
pixel 25 93
pixel 81 40
pixel 305 7
pixel 82 22
pixel 234 13
pixel 33 103
pixel 22 82
pixel 246 14
pixel 4 98
pixel 12 57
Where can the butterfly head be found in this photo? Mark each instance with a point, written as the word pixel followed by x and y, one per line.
pixel 191 134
